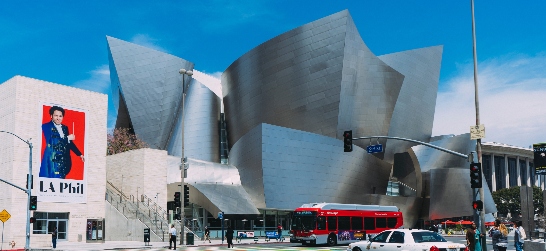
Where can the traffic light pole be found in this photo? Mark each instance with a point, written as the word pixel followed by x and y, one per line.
pixel 183 72
pixel 418 142
pixel 477 104
pixel 28 190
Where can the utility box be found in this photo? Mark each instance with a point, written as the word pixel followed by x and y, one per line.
pixel 146 235
pixel 189 238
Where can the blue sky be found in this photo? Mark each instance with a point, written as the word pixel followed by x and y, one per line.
pixel 65 42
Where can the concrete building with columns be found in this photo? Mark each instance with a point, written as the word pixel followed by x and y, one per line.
pixel 506 166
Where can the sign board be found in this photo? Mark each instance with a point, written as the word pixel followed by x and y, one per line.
pixel 375 148
pixel 477 132
pixel 146 235
pixel 220 215
pixel 4 216
pixel 539 161
pixel 245 234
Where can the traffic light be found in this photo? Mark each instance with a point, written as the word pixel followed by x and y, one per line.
pixel 32 219
pixel 348 141
pixel 177 199
pixel 477 205
pixel 186 196
pixel 177 217
pixel 33 203
pixel 476 175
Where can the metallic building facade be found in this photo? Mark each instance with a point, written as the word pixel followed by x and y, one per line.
pixel 286 105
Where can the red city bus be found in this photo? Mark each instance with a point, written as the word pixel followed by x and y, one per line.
pixel 334 223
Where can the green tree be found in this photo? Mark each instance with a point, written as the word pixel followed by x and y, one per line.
pixel 122 140
pixel 508 200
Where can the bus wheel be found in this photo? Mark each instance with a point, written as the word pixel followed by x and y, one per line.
pixel 331 240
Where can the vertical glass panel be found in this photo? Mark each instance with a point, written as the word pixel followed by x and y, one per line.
pixel 344 223
pixel 332 223
pixel 381 222
pixel 356 223
pixel 369 223
pixel 61 230
pixel 391 222
pixel 321 223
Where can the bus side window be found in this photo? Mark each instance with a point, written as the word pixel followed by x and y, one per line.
pixel 356 223
pixel 369 223
pixel 321 223
pixel 381 222
pixel 391 222
pixel 344 223
pixel 332 223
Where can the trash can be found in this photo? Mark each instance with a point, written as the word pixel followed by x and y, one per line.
pixel 189 238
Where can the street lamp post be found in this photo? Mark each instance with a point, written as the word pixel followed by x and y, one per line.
pixel 481 225
pixel 183 72
pixel 28 190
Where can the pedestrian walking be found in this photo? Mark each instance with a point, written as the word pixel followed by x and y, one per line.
pixel 54 237
pixel 519 236
pixel 470 240
pixel 207 234
pixel 499 236
pixel 229 237
pixel 172 237
pixel 279 232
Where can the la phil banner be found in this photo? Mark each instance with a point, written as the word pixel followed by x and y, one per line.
pixel 62 167
pixel 539 158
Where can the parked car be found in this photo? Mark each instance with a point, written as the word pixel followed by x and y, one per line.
pixel 408 240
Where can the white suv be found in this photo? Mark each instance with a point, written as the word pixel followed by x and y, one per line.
pixel 407 240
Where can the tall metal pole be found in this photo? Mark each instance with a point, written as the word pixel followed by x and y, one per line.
pixel 183 72
pixel 28 190
pixel 478 141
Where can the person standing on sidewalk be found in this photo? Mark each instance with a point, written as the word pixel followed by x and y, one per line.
pixel 54 237
pixel 207 234
pixel 172 236
pixel 519 236
pixel 229 237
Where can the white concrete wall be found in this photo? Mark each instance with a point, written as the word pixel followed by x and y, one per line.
pixel 141 171
pixel 21 101
pixel 120 228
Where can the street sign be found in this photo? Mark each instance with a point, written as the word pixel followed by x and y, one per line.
pixel 375 148
pixel 4 216
pixel 220 215
pixel 477 132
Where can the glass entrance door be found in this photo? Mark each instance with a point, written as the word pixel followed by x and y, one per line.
pixel 61 227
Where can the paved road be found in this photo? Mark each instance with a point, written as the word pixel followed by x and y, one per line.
pixel 216 244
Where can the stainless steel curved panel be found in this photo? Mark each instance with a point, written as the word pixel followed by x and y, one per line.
pixel 201 131
pixel 369 90
pixel 413 115
pixel 150 84
pixel 219 187
pixel 297 167
pixel 292 80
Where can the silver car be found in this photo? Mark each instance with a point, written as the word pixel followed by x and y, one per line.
pixel 407 240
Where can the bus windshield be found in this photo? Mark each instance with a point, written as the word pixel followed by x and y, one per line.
pixel 304 220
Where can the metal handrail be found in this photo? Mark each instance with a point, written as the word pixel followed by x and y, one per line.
pixel 148 216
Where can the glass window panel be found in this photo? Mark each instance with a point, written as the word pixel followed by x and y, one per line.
pixel 321 223
pixel 369 223
pixel 391 222
pixel 356 223
pixel 344 223
pixel 381 222
pixel 332 223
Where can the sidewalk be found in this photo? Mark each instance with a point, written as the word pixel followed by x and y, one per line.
pixel 120 245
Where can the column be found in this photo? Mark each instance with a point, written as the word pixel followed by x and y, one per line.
pixel 519 172
pixel 528 181
pixel 493 180
pixel 506 171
